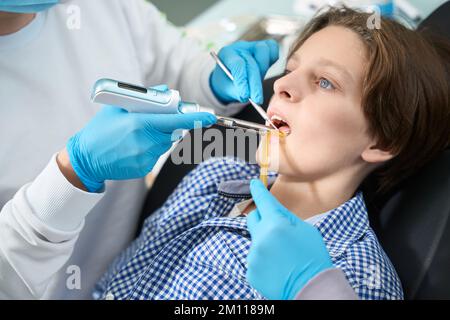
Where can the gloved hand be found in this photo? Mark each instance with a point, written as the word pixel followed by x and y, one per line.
pixel 248 62
pixel 286 252
pixel 118 145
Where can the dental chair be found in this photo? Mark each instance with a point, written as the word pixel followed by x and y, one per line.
pixel 412 222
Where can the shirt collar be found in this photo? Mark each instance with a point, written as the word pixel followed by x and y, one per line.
pixel 344 225
pixel 240 188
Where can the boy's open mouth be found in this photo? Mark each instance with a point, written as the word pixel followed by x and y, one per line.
pixel 280 123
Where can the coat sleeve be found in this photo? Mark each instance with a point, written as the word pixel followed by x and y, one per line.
pixel 329 284
pixel 38 230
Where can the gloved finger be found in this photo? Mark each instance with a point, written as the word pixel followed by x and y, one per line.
pixel 255 262
pixel 238 69
pixel 107 109
pixel 252 46
pixel 253 219
pixel 167 123
pixel 164 144
pixel 177 134
pixel 261 54
pixel 161 87
pixel 274 50
pixel 253 270
pixel 268 206
pixel 269 47
pixel 258 273
pixel 254 78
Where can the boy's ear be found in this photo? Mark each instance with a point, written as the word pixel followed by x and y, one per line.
pixel 374 154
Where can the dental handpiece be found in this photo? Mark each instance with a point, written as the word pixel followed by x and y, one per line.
pixel 135 98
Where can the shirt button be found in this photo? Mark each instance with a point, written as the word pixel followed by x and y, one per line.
pixel 109 296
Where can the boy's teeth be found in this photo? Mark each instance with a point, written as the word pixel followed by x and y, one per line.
pixel 275 117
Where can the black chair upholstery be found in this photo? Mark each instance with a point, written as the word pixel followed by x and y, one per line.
pixel 413 226
pixel 438 21
pixel 412 222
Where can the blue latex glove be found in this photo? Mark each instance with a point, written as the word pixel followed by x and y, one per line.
pixel 118 145
pixel 248 62
pixel 286 252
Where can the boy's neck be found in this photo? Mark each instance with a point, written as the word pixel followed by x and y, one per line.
pixel 307 199
pixel 11 22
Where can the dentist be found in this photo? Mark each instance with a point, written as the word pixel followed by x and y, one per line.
pixel 69 189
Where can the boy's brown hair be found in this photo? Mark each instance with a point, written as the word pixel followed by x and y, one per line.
pixel 405 91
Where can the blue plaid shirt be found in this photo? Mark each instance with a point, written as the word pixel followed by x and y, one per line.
pixel 191 249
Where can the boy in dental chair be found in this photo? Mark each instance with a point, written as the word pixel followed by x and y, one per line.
pixel 353 106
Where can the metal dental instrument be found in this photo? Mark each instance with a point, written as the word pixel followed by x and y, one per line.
pixel 149 100
pixel 238 123
pixel 258 108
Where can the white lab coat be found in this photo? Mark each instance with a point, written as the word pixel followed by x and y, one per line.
pixel 47 69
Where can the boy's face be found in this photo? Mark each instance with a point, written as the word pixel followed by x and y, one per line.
pixel 320 100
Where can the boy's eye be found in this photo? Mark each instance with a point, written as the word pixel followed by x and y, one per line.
pixel 325 84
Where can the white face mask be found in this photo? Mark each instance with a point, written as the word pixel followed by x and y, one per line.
pixel 26 6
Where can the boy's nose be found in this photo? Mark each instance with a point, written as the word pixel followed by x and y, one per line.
pixel 285 88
